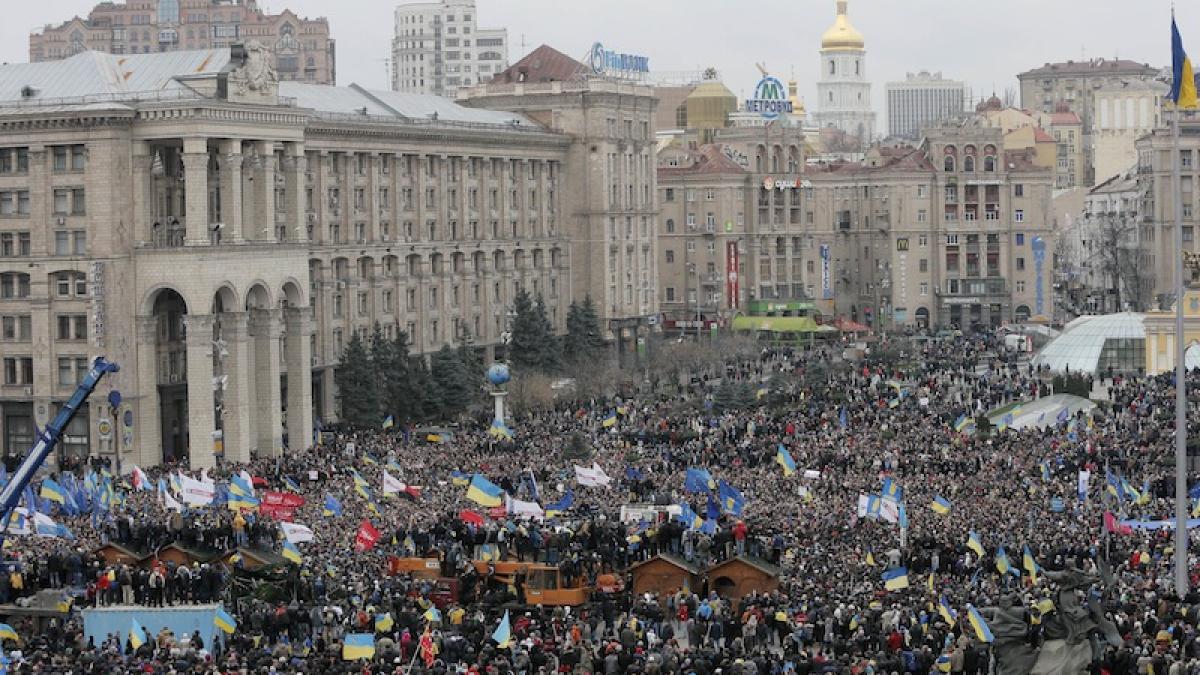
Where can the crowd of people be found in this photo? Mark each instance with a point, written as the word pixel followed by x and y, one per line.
pixel 848 428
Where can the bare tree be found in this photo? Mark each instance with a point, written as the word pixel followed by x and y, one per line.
pixel 1118 254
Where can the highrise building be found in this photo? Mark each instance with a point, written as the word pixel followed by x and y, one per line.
pixel 1073 86
pixel 844 92
pixel 922 101
pixel 438 47
pixel 300 48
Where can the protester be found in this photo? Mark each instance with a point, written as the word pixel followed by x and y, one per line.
pixel 852 431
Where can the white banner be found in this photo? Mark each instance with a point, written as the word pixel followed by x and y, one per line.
pixel 812 473
pixel 296 533
pixel 391 484
pixel 521 509
pixel 1084 477
pixel 195 492
pixel 593 477
pixel 171 503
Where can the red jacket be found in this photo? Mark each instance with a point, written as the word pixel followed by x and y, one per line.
pixel 739 531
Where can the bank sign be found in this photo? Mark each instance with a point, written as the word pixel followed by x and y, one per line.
pixel 770 99
pixel 605 62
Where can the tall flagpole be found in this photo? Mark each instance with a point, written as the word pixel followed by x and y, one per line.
pixel 1181 530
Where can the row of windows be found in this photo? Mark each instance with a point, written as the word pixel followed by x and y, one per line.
pixel 19 327
pixel 15 285
pixel 18 370
pixel 66 242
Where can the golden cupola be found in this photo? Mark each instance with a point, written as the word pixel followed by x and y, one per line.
pixel 841 36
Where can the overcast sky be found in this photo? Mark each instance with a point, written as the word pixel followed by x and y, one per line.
pixel 984 43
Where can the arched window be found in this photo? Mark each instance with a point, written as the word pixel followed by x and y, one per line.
pixel 989 163
pixel 968 163
pixel 832 67
pixel 948 163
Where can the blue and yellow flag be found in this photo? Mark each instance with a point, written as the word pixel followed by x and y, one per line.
pixel 784 459
pixel 389 422
pixel 459 478
pixel 609 421
pixel 503 633
pixel 689 517
pixel 225 622
pixel 484 492
pixel 561 505
pixel 384 622
pixel 332 506
pixel 896 579
pixel 1002 563
pixel 52 490
pixel 500 430
pixel 732 500
pixel 892 490
pixel 1030 565
pixel 940 505
pixel 1183 82
pixel 7 633
pixel 358 646
pixel 291 553
pixel 698 480
pixel 137 634
pixel 975 544
pixel 982 632
pixel 432 614
pixel 291 484
pixel 947 611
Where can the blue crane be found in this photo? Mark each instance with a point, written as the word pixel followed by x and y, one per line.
pixel 48 439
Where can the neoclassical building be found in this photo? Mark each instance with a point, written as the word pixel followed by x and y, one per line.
pixel 221 235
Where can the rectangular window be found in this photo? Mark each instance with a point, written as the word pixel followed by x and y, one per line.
pixel 924 265
pixel 1019 216
pixel 670 256
pixel 1020 264
pixel 1020 239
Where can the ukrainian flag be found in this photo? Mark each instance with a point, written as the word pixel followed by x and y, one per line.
pixel 561 505
pixel 7 633
pixel 459 478
pixel 370 459
pixel 784 459
pixel 981 628
pixel 1029 563
pixel 291 484
pixel 962 423
pixel 53 491
pixel 1002 564
pixel 239 487
pixel 975 544
pixel 358 646
pixel 1045 470
pixel 940 505
pixel 291 553
pixel 242 503
pixel 332 506
pixel 609 421
pixel 1183 82
pixel 393 465
pixel 892 490
pixel 484 492
pixel 762 392
pixel 500 430
pixel 137 634
pixel 947 611
pixel 895 580
pixel 870 557
pixel 389 422
pixel 432 614
pixel 225 622
pixel 384 622
pixel 943 664
pixel 503 633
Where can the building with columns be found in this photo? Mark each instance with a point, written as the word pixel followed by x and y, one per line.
pixel 844 92
pixel 221 235
pixel 611 215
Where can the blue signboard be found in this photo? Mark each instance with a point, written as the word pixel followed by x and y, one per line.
pixel 770 99
pixel 1039 286
pixel 826 286
pixel 606 62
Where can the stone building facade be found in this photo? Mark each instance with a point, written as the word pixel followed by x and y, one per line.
pixel 222 240
pixel 301 48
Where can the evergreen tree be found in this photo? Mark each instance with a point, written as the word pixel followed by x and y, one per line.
pixel 451 381
pixel 399 388
pixel 584 342
pixel 473 364
pixel 528 341
pixel 552 355
pixel 357 382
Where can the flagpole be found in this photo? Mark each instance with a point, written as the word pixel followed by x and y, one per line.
pixel 1181 531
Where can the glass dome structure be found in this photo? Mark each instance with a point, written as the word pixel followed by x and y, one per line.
pixel 1095 343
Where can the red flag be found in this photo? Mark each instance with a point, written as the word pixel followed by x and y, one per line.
pixel 469 516
pixel 428 654
pixel 366 537
pixel 412 491
pixel 1111 524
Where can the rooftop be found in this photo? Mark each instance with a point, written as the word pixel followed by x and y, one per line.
pixel 544 64
pixel 710 158
pixel 1100 66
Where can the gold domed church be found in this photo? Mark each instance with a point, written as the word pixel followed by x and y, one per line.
pixel 844 92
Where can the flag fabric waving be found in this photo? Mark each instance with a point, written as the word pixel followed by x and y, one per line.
pixel 1183 83
pixel 358 646
pixel 784 459
pixel 698 480
pixel 332 506
pixel 484 492
pixel 137 634
pixel 224 621
pixel 940 505
pixel 503 633
pixel 366 537
pixel 982 631
pixel 896 579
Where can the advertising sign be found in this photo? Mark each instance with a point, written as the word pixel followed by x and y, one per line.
pixel 770 99
pixel 731 274
pixel 1039 262
pixel 826 285
pixel 615 64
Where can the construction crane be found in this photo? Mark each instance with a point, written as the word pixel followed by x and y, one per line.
pixel 48 439
pixel 762 68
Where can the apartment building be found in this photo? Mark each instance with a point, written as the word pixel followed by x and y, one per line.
pixel 438 47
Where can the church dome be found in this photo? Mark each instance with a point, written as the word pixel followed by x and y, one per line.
pixel 841 35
